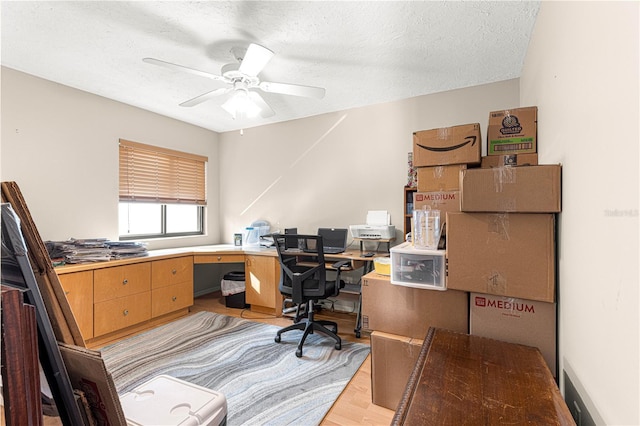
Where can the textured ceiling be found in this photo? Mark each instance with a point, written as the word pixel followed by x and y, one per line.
pixel 362 52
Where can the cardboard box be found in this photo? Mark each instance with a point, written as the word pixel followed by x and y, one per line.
pixel 502 254
pixel 445 201
pixel 392 360
pixel 509 160
pixel 448 145
pixel 513 131
pixel 440 178
pixel 522 189
pixel 408 311
pixel 513 320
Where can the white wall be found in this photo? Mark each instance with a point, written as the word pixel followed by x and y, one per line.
pixel 329 170
pixel 582 71
pixel 60 145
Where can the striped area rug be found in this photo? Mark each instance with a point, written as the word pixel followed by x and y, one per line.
pixel 263 381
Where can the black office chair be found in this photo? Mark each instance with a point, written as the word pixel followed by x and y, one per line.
pixel 307 283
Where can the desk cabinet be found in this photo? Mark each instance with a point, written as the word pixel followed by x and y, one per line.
pixel 171 285
pixel 78 287
pixel 109 302
pixel 262 275
pixel 121 296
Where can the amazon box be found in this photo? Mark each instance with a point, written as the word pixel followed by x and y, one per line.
pixel 447 145
pixel 392 360
pixel 409 311
pixel 513 131
pixel 501 160
pixel 522 321
pixel 502 254
pixel 439 178
pixel 521 189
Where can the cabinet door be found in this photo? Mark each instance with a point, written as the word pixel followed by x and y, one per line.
pixel 171 271
pixel 78 287
pixel 261 281
pixel 115 314
pixel 171 298
pixel 121 281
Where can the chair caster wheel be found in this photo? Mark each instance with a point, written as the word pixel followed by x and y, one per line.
pixel 338 346
pixel 277 339
pixel 299 353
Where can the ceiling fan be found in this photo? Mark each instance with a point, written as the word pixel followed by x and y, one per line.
pixel 242 78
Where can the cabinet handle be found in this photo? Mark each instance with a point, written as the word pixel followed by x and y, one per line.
pixel 125 281
pixel 219 257
pixel 173 299
pixel 125 312
pixel 173 271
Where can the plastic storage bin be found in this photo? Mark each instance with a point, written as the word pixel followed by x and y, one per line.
pixel 165 400
pixel 233 288
pixel 418 268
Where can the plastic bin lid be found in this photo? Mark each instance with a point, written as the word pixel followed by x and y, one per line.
pixel 170 401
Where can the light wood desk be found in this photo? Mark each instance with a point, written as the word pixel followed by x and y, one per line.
pixel 116 298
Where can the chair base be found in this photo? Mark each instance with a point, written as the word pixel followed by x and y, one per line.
pixel 309 326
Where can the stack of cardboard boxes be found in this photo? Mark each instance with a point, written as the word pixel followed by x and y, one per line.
pixel 500 249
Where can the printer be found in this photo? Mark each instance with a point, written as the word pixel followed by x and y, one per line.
pixel 377 227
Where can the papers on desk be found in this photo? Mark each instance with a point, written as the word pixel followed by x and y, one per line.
pixel 93 250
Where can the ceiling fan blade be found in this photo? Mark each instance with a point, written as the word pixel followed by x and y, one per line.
pixel 293 89
pixel 176 67
pixel 255 59
pixel 265 109
pixel 206 96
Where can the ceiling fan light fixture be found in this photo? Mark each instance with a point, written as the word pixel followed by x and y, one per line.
pixel 240 105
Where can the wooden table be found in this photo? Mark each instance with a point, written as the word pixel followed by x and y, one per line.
pixel 461 379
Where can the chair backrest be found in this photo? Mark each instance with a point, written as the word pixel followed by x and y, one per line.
pixel 298 267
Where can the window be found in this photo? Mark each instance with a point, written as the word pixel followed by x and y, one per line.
pixel 162 192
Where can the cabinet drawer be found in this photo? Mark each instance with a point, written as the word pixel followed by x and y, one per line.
pixel 171 298
pixel 171 271
pixel 121 281
pixel 123 312
pixel 78 287
pixel 218 258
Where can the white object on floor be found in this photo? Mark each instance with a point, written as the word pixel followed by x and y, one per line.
pixel 165 400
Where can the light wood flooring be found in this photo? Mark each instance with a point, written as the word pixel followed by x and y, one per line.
pixel 354 406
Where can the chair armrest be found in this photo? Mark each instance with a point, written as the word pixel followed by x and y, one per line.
pixel 338 265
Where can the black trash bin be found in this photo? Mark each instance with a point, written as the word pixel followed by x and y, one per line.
pixel 233 290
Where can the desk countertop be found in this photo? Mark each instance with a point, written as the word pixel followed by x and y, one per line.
pixel 214 249
pixel 169 253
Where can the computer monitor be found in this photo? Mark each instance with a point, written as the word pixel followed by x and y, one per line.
pixel 334 240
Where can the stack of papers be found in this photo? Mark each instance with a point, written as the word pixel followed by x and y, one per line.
pixel 92 250
pixel 126 249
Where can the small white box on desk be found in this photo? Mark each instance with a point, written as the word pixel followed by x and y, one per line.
pixel 165 400
pixel 418 268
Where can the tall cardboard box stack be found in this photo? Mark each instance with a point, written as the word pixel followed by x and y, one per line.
pixel 501 245
pixel 400 316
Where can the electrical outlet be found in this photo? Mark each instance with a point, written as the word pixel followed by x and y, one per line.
pixel 576 405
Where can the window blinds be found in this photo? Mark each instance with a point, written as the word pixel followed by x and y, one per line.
pixel 159 175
